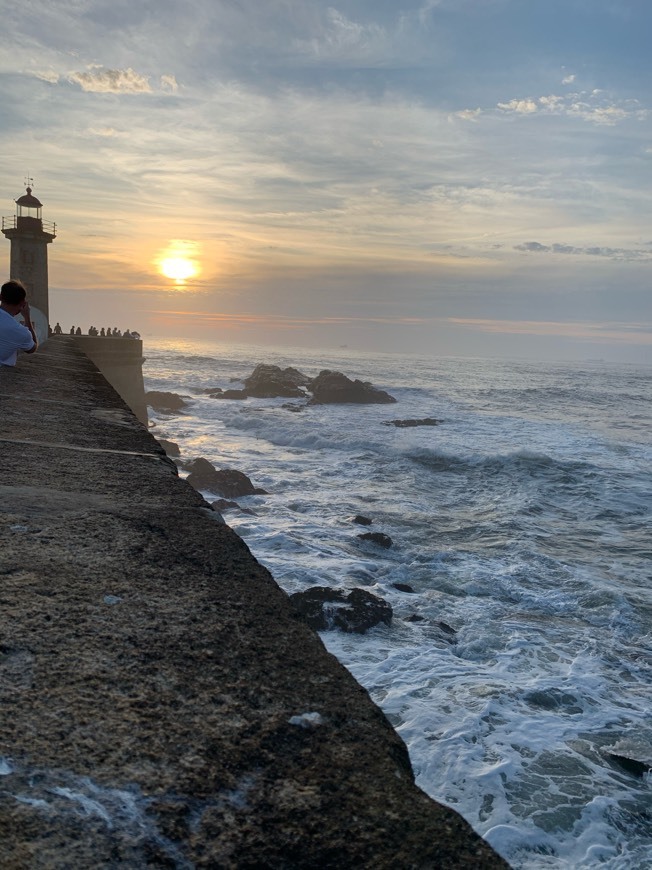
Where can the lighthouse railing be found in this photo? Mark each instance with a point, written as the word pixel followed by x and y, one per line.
pixel 14 222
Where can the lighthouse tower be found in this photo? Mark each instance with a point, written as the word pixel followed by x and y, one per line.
pixel 30 235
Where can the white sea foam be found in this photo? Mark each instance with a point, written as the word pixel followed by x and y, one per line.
pixel 521 522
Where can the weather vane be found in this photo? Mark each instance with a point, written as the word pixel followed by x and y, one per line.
pixel 29 181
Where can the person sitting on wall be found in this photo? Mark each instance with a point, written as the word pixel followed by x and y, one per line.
pixel 72 330
pixel 78 331
pixel 57 328
pixel 13 335
pixel 102 332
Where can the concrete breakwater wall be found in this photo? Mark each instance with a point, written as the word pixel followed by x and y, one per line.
pixel 161 704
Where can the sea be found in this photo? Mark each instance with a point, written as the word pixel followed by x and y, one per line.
pixel 521 521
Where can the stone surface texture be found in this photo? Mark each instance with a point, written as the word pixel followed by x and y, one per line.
pixel 162 706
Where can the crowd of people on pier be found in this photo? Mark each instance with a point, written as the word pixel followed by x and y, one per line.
pixel 94 331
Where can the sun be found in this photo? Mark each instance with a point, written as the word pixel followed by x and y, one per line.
pixel 178 268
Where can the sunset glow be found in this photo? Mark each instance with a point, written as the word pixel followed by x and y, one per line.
pixel 337 182
pixel 178 268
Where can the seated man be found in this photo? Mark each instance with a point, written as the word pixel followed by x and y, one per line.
pixel 13 335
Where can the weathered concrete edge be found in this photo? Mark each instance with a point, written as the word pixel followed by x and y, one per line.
pixel 344 792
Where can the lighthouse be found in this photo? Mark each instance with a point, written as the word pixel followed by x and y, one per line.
pixel 30 235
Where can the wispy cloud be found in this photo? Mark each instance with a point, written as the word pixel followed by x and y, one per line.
pixel 112 81
pixel 593 251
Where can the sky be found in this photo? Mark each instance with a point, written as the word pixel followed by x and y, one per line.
pixel 454 177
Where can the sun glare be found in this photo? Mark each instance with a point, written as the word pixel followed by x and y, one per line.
pixel 180 260
pixel 178 268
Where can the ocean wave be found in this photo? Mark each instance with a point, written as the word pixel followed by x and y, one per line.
pixel 527 462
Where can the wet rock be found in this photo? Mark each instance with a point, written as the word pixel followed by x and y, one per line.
pixel 334 387
pixel 223 504
pixel 631 765
pixel 230 394
pixel 362 521
pixel 403 587
pixel 446 633
pixel 377 538
pixel 270 382
pixel 166 402
pixel 226 482
pixel 414 617
pixel 170 447
pixel 425 421
pixel 293 406
pixel 324 608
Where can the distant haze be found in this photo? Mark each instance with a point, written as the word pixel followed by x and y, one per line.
pixel 467 177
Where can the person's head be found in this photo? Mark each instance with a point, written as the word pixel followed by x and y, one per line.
pixel 13 296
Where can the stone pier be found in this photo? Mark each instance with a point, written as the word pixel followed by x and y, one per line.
pixel 161 704
pixel 121 362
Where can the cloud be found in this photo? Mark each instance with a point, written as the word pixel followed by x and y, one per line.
pixel 345 40
pixel 595 251
pixel 521 107
pixel 112 81
pixel 106 132
pixel 468 114
pixel 169 83
pixel 592 106
pixel 568 80
pixel 47 76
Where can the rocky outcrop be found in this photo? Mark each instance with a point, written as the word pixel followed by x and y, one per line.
pixel 168 403
pixel 324 608
pixel 402 424
pixel 226 482
pixel 362 520
pixel 379 538
pixel 335 388
pixel 271 382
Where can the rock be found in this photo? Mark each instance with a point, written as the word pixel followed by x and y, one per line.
pixel 228 483
pixel 334 387
pixel 170 447
pixel 362 521
pixel 324 608
pixel 632 765
pixel 425 421
pixel 414 617
pixel 223 504
pixel 403 587
pixel 162 401
pixel 377 538
pixel 446 633
pixel 230 394
pixel 293 406
pixel 270 382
